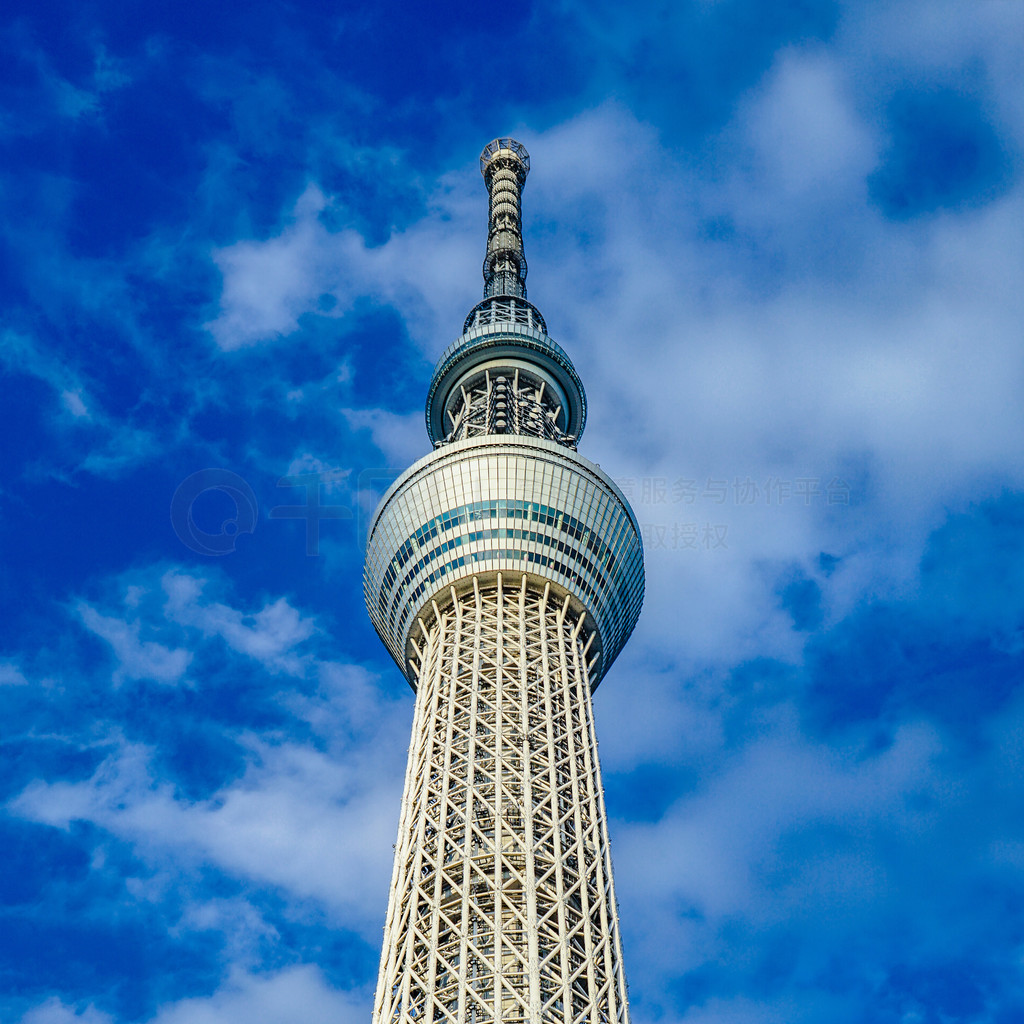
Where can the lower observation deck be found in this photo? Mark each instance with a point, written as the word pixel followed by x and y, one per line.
pixel 519 505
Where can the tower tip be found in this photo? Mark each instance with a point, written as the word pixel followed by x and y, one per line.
pixel 505 151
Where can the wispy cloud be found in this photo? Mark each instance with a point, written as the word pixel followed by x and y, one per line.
pixel 270 999
pixel 268 635
pixel 297 819
pixel 138 659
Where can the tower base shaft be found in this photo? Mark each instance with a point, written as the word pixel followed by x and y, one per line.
pixel 502 907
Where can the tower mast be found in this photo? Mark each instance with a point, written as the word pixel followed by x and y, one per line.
pixel 504 572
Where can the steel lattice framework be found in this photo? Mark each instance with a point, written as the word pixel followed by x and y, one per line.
pixel 502 900
pixel 504 572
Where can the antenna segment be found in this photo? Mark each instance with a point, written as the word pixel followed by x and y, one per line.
pixel 504 163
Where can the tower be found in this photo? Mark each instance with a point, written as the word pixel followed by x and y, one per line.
pixel 504 573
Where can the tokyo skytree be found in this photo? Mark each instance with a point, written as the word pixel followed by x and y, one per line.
pixel 504 573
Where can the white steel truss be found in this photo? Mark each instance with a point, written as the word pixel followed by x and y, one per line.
pixel 502 907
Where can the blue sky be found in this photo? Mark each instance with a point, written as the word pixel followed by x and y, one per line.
pixel 781 242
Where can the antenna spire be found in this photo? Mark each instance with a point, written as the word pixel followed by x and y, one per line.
pixel 504 163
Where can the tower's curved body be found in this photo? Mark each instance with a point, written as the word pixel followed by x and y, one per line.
pixel 504 573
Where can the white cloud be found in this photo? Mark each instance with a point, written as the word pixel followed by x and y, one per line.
pixel 811 847
pixel 74 403
pixel 54 1011
pixel 27 355
pixel 278 998
pixel 124 448
pixel 245 931
pixel 786 1009
pixel 320 827
pixel 400 439
pixel 424 271
pixel 244 998
pixel 107 446
pixel 139 659
pixel 807 138
pixel 350 701
pixel 268 636
pixel 333 478
pixel 10 675
pixel 715 849
pixel 314 819
pixel 269 285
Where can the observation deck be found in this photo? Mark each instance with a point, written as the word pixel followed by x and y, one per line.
pixel 515 505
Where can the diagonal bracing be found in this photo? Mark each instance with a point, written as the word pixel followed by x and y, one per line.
pixel 502 906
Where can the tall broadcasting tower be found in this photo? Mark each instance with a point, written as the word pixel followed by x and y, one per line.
pixel 504 573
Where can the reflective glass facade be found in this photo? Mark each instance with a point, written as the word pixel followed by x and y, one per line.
pixel 522 505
